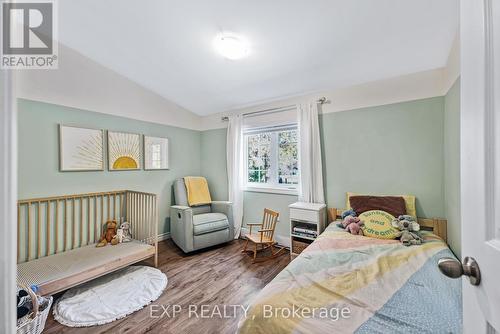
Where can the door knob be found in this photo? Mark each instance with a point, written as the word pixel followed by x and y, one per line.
pixel 452 268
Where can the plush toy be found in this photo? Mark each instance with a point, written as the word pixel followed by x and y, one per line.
pixel 353 225
pixel 118 236
pixel 108 235
pixel 349 212
pixel 345 214
pixel 23 303
pixel 127 234
pixel 408 227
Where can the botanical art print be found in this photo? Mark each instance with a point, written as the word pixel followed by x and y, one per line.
pixel 80 149
pixel 124 151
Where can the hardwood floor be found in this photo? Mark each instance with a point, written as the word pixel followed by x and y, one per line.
pixel 214 277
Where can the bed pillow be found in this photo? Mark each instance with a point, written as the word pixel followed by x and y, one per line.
pixel 377 224
pixel 391 204
pixel 409 202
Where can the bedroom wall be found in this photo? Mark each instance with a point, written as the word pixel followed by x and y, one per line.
pixel 80 82
pixel 213 162
pixel 389 149
pixel 417 167
pixel 38 155
pixel 452 166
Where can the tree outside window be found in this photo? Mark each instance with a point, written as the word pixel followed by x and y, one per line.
pixel 272 158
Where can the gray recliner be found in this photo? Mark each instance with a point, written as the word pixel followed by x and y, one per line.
pixel 197 227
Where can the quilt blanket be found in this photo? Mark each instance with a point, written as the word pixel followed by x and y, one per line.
pixel 345 283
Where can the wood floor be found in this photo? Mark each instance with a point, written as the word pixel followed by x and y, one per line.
pixel 215 277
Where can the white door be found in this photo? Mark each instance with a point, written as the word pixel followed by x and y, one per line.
pixel 480 160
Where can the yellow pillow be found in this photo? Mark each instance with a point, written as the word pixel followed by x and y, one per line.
pixel 377 224
pixel 411 209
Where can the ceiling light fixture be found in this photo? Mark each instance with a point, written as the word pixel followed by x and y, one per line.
pixel 231 46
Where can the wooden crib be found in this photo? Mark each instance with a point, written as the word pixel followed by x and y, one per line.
pixel 57 235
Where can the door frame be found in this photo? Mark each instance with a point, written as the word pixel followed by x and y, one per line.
pixel 8 198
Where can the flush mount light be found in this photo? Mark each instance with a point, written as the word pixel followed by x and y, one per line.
pixel 231 46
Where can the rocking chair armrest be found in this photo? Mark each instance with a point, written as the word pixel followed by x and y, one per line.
pixel 252 225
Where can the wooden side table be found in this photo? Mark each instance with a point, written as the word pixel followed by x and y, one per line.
pixel 307 221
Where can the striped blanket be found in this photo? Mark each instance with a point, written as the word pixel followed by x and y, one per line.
pixel 344 283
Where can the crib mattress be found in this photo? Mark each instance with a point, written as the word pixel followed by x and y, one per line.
pixel 61 271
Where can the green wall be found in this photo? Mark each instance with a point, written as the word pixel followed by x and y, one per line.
pixel 390 149
pixel 452 166
pixel 254 204
pixel 213 162
pixel 38 155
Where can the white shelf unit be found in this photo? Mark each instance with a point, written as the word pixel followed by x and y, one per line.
pixel 310 215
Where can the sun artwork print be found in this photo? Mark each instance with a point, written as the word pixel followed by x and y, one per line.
pixel 81 149
pixel 124 150
pixel 88 154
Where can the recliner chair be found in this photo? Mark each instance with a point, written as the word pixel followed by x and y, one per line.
pixel 197 227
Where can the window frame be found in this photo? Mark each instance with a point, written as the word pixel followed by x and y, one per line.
pixel 274 186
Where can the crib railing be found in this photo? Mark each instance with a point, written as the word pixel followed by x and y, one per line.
pixel 51 225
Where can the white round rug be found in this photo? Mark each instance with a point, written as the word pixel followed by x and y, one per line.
pixel 110 297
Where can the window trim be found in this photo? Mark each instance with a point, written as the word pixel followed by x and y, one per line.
pixel 274 188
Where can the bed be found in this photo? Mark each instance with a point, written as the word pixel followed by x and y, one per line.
pixel 385 286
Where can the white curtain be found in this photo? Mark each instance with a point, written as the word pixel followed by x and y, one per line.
pixel 311 168
pixel 235 169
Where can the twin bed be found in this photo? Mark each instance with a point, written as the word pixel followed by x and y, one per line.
pixel 345 283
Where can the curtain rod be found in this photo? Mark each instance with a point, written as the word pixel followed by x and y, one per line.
pixel 321 100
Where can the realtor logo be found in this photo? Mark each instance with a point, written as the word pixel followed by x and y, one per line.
pixel 28 35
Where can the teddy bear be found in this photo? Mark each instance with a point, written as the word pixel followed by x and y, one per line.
pixel 353 225
pixel 408 227
pixel 108 235
pixel 127 234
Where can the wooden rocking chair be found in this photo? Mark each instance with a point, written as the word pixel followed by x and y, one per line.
pixel 265 236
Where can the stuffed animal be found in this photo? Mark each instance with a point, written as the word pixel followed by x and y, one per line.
pixel 408 227
pixel 347 213
pixel 23 303
pixel 127 234
pixel 108 235
pixel 353 225
pixel 118 236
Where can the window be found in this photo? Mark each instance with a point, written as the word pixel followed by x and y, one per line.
pixel 272 158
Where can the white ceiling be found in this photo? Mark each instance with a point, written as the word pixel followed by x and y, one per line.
pixel 297 46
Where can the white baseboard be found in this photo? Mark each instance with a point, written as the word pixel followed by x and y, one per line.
pixel 282 240
pixel 163 236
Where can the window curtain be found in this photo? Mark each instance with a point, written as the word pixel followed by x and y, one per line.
pixel 311 168
pixel 235 169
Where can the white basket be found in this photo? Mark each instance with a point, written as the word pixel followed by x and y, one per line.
pixel 35 322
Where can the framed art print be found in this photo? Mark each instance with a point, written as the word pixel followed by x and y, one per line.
pixel 155 153
pixel 80 149
pixel 124 151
